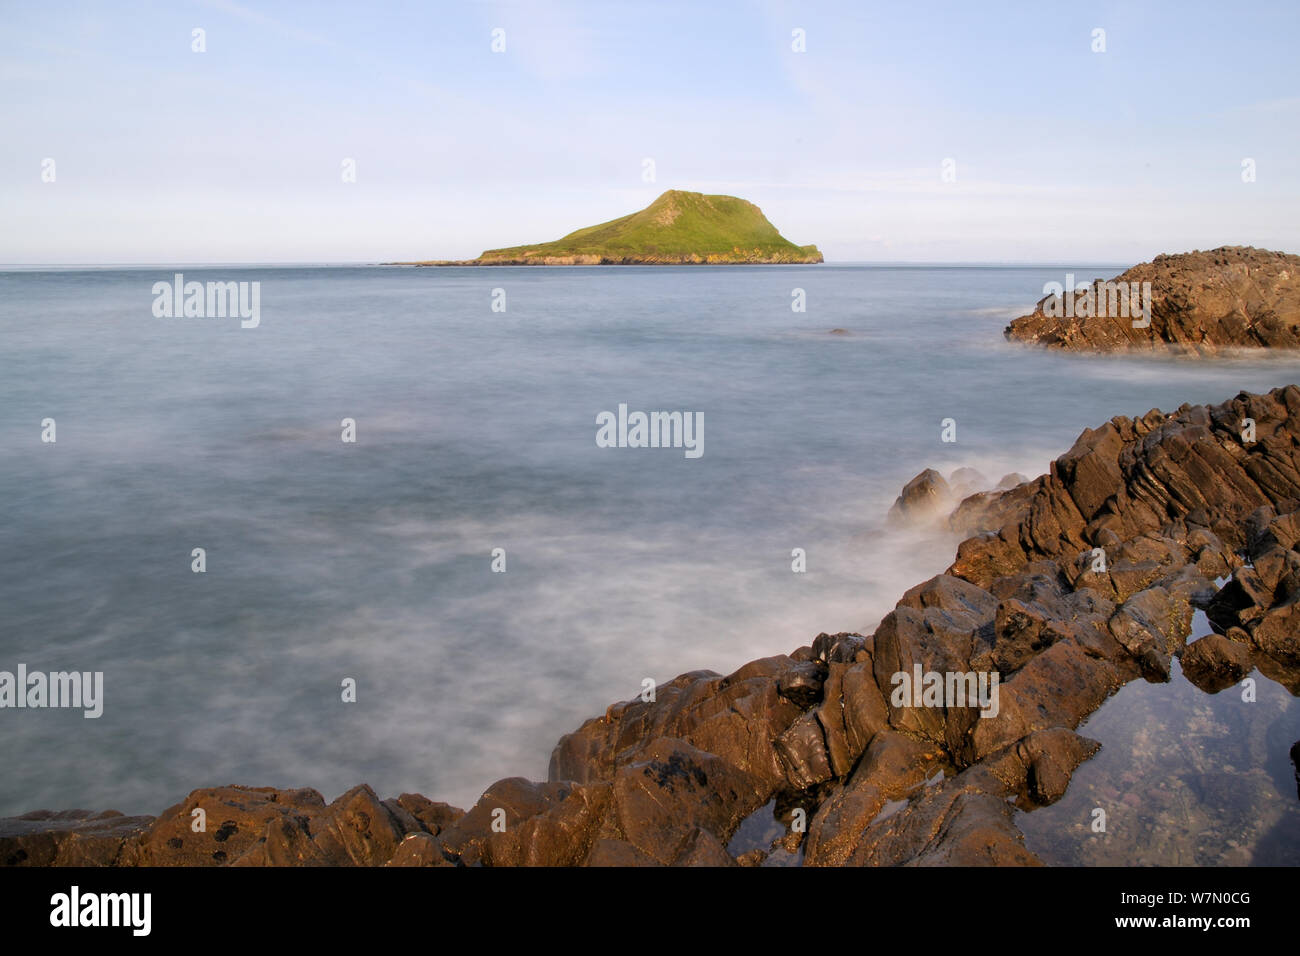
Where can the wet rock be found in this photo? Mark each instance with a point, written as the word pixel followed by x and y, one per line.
pixel 1058 688
pixel 923 498
pixel 893 766
pixel 934 640
pixel 1051 757
pixel 853 712
pixel 802 684
pixel 1214 662
pixel 1278 632
pixel 236 821
pixel 1152 625
pixel 1021 630
pixel 837 648
pixel 963 821
pixel 1240 602
pixel 661 799
pixel 520 823
pixel 419 849
pixel 802 752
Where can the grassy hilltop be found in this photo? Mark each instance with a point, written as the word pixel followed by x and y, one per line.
pixel 678 227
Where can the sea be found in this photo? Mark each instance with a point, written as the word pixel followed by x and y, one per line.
pixel 431 604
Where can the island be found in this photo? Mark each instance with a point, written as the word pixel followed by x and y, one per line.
pixel 678 228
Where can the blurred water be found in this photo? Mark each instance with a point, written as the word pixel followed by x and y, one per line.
pixel 476 430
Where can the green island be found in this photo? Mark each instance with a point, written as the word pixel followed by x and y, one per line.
pixel 678 228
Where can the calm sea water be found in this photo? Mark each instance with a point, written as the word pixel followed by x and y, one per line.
pixel 475 431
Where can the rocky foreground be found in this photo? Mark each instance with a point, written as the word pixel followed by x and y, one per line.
pixel 1200 303
pixel 1068 587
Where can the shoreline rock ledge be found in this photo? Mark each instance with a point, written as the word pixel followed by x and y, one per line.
pixel 807 750
pixel 1200 303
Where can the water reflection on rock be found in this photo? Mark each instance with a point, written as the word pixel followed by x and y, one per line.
pixel 1185 777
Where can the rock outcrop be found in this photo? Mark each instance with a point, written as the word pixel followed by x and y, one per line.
pixel 1069 586
pixel 1200 302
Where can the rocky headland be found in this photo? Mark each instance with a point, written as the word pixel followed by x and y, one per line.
pixel 1199 302
pixel 1067 587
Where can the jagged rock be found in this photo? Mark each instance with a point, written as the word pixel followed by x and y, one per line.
pixel 1241 602
pixel 1058 688
pixel 893 766
pixel 962 821
pixel 1200 302
pixel 837 648
pixel 736 718
pixel 520 823
pixel 853 712
pixel 952 594
pixel 431 815
pixel 935 640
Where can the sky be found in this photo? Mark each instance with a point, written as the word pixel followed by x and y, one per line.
pixel 1055 152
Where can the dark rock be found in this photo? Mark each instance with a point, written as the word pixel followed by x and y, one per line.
pixel 1201 302
pixel 1214 662
pixel 1240 602
pixel 802 752
pixel 1278 632
pixel 1051 757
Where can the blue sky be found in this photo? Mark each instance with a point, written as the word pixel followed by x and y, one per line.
pixel 234 155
